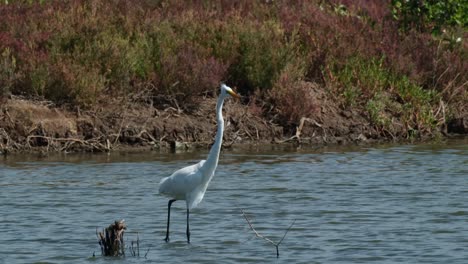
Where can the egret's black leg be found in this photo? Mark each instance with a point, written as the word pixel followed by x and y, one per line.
pixel 168 218
pixel 188 229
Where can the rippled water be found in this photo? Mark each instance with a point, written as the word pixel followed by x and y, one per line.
pixel 383 204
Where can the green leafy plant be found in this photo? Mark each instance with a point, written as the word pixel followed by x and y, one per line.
pixel 7 71
pixel 359 79
pixel 432 15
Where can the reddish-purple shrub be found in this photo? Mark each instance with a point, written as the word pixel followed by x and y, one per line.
pixel 63 50
pixel 293 98
pixel 187 74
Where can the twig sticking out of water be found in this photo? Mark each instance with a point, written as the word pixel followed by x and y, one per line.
pixel 147 252
pixel 266 238
pixel 133 251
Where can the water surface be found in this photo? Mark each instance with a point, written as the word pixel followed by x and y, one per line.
pixel 382 204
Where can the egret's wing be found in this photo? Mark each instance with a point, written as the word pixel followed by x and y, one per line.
pixel 196 196
pixel 182 181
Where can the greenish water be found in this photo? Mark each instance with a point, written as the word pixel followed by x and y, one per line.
pixel 382 204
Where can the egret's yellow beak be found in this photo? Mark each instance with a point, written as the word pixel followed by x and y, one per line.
pixel 233 94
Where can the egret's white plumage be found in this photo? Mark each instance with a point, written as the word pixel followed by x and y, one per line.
pixel 191 182
pixel 185 184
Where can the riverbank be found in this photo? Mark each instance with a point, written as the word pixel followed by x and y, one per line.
pixel 98 76
pixel 39 126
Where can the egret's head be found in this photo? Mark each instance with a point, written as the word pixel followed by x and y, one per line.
pixel 227 91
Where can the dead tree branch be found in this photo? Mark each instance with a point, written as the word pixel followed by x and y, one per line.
pixel 276 244
pixel 6 143
pixel 64 144
pixel 299 128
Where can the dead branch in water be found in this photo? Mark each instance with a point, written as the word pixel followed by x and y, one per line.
pixel 111 239
pixel 135 251
pixel 276 244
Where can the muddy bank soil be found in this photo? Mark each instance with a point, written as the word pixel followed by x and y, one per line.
pixel 27 125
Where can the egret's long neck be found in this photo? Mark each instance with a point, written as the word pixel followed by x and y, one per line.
pixel 213 157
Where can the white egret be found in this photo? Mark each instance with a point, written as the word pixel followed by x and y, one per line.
pixel 191 182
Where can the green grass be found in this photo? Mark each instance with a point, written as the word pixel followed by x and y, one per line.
pixel 367 83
